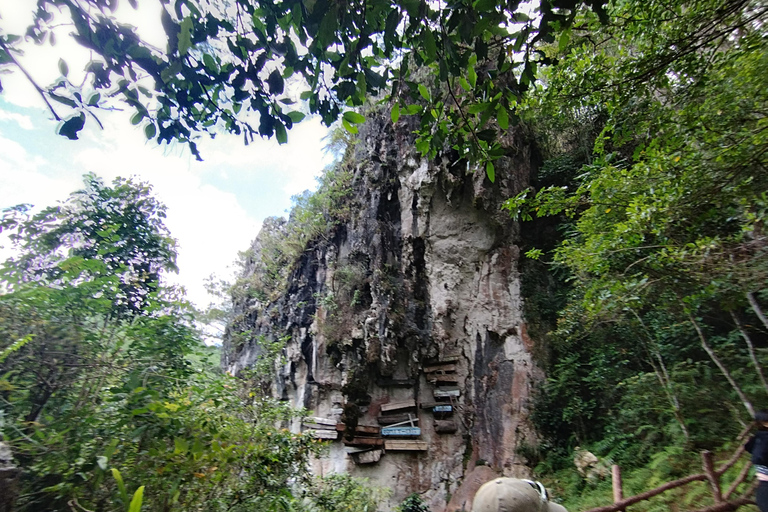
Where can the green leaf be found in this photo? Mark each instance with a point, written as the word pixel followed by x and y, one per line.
pixel 120 485
pixel 280 133
pixel 137 117
pixel 72 126
pixel 395 112
pixel 502 117
pixel 63 68
pixel 275 82
pixel 562 43
pixel 353 117
pixel 185 36
pixel 150 131
pixel 477 108
pixel 424 92
pixel 210 63
pixel 472 75
pixel 94 99
pixel 464 84
pixel 138 498
pixel 296 116
pixel 490 171
pixel 101 461
pixel 412 109
pixel 484 5
pixel 181 445
pixel 429 44
pixel 349 127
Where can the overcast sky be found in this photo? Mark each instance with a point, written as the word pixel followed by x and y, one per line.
pixel 215 207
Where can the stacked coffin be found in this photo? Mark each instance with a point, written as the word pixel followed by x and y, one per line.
pixel 321 428
pixel 442 374
pixel 401 426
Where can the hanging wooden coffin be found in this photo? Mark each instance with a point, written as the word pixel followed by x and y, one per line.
pixel 368 457
pixel 440 368
pixel 364 441
pixel 443 379
pixel 394 406
pixel 401 431
pixel 389 419
pixel 324 434
pixel 445 426
pixel 405 445
pixel 446 392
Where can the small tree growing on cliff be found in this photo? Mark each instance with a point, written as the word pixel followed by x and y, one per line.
pixel 413 503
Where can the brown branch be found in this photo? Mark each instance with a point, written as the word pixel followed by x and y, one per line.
pixel 712 477
pixel 750 348
pixel 727 506
pixel 757 309
pixel 739 480
pixel 31 80
pixel 649 494
pixel 712 355
pixel 735 457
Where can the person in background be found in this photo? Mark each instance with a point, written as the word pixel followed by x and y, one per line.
pixel 758 447
pixel 513 495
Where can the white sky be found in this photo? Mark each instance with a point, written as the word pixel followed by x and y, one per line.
pixel 215 207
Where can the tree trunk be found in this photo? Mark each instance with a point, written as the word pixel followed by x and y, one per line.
pixel 756 308
pixel 663 376
pixel 708 349
pixel 751 349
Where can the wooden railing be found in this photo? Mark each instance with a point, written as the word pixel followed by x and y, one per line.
pixel 723 501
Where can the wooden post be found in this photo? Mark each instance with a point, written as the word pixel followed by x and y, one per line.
pixel 618 493
pixel 714 480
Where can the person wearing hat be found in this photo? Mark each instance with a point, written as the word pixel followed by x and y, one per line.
pixel 758 447
pixel 513 495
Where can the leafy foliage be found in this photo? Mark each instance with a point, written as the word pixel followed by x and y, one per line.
pixel 413 503
pixel 661 342
pixel 110 408
pixel 224 62
pixel 109 242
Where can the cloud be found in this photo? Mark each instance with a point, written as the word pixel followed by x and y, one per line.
pixel 215 208
pixel 23 121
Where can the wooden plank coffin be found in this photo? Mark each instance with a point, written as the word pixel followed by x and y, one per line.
pixel 446 392
pixel 364 441
pixel 320 421
pixel 401 431
pixel 445 426
pixel 440 368
pixel 369 430
pixel 405 445
pixel 324 434
pixel 317 426
pixel 368 457
pixel 389 419
pixel 395 406
pixel 438 378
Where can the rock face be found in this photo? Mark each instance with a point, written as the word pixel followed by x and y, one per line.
pixel 414 302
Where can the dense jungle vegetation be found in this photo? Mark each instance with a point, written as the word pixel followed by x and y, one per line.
pixel 644 230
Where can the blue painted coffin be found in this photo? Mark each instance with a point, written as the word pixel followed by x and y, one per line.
pixel 401 431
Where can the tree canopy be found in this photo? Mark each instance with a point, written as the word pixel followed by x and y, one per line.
pixel 226 61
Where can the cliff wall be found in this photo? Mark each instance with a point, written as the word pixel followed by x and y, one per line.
pixel 408 312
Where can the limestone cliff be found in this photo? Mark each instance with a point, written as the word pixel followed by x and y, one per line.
pixel 413 302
